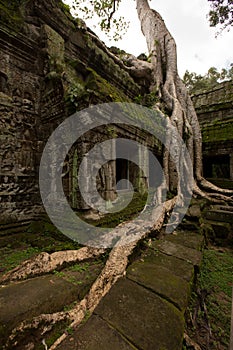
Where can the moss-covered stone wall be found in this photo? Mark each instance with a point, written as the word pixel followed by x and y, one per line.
pixel 214 108
pixel 51 65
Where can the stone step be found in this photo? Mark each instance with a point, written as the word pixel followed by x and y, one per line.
pixel 217 229
pixel 145 309
pixel 46 294
pixel 226 208
pixel 219 215
pixel 13 228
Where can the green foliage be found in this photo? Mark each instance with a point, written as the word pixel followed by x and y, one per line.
pixel 11 259
pixel 74 94
pixel 196 82
pixel 112 131
pixel 216 278
pixel 106 12
pixel 147 100
pixel 11 13
pixel 221 14
pixel 65 7
pixel 59 273
pixel 80 267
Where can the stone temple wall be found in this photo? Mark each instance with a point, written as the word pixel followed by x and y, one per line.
pixel 50 66
pixel 214 108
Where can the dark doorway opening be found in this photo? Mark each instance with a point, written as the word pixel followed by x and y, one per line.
pixel 217 167
pixel 122 172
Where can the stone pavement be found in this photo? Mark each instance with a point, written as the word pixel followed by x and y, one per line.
pixel 145 309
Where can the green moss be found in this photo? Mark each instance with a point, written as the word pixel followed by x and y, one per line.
pixel 103 89
pixel 12 258
pixel 113 219
pixel 57 330
pixel 219 131
pixel 223 183
pixel 147 100
pixel 64 7
pixel 11 13
pixel 80 267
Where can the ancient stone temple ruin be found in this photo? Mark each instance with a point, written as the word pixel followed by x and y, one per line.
pixel 215 113
pixel 70 294
pixel 51 65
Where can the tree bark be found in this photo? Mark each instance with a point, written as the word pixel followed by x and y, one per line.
pixel 174 95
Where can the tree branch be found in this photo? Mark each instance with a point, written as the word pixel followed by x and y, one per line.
pixel 111 14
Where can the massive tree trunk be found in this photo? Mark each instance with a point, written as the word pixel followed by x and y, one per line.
pixel 174 96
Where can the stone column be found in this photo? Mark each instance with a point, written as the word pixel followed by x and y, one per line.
pixel 74 180
pixel 110 171
pixel 143 167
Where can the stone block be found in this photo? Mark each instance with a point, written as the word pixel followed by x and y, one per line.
pixel 188 239
pixel 161 281
pixel 188 254
pixel 178 267
pixel 96 334
pixel 219 215
pixel 144 318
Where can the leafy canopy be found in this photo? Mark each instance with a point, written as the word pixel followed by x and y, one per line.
pixel 196 82
pixel 106 11
pixel 221 14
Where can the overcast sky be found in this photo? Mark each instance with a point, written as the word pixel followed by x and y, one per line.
pixel 197 47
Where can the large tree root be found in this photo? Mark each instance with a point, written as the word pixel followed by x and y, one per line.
pixel 215 198
pixel 115 268
pixel 45 263
pixel 208 186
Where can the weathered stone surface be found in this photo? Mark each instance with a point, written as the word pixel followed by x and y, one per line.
pixel 188 239
pixel 96 334
pixel 178 267
pixel 33 297
pixel 46 294
pixel 188 254
pixel 146 308
pixel 215 229
pixel 161 281
pixel 194 211
pixel 219 215
pixel 145 319
pixel 49 68
pixel 214 110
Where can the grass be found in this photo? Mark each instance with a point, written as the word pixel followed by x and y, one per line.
pixel 113 219
pixel 41 236
pixel 80 267
pixel 216 278
pixel 217 271
pixel 10 259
